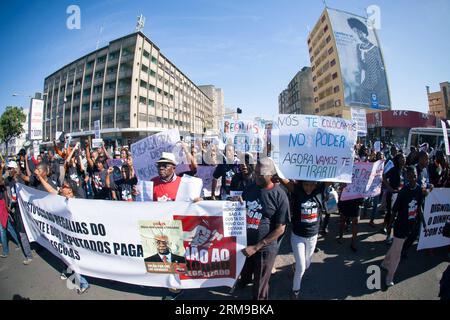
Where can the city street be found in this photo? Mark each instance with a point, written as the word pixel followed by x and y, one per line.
pixel 336 273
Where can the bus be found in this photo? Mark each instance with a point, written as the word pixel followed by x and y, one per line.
pixel 433 136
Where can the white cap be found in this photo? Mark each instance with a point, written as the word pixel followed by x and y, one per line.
pixel 167 157
pixel 12 164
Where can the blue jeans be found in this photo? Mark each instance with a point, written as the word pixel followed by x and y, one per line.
pixel 4 235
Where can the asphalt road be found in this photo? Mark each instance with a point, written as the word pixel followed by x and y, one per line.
pixel 335 273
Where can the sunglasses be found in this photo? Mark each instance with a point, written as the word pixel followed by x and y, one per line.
pixel 164 165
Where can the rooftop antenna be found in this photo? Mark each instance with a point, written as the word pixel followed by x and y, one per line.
pixel 140 23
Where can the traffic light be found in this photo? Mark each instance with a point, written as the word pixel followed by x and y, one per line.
pixel 239 111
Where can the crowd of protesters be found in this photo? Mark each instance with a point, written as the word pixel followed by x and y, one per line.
pixel 80 171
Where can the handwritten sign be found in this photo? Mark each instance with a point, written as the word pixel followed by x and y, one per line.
pixel 97 143
pixel 315 148
pixel 234 219
pixel 245 135
pixel 359 115
pixel 145 191
pixel 206 174
pixel 147 151
pixel 367 178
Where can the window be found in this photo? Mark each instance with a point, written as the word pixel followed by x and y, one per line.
pixel 85 107
pixel 142 100
pixel 143 84
pixel 313 68
pixel 314 78
pixel 146 54
pixel 311 59
pixel 337 103
pixel 316 99
pixel 159 91
pixel 330 51
pixel 86 92
pixel 328 39
pixel 323 19
pixel 315 89
pixel 154 60
pixel 325 29
pixel 144 68
pixel 101 59
pixel 151 87
pixel 97 89
pixel 153 73
pixel 96 105
pixel 333 62
pixel 151 103
pixel 113 55
pixel 335 75
pixel 336 89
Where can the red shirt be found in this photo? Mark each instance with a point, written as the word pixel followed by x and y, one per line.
pixel 165 191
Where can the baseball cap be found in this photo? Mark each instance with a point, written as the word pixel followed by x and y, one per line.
pixel 167 157
pixel 12 164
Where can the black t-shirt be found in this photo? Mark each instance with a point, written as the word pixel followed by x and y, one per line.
pixel 99 185
pixel 239 182
pixel 265 209
pixel 125 188
pixel 395 177
pixel 76 178
pixel 35 183
pixel 407 205
pixel 226 171
pixel 2 192
pixel 306 212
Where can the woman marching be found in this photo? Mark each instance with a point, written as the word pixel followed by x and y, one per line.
pixel 306 210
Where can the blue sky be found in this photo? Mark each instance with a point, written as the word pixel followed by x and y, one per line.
pixel 249 48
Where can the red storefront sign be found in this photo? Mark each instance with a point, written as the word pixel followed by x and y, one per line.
pixel 400 119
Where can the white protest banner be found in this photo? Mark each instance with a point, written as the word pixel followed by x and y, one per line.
pixel 147 151
pixel 234 217
pixel 245 135
pixel 97 143
pixel 436 214
pixel 367 178
pixel 190 188
pixel 359 115
pixel 119 241
pixel 315 148
pixel 97 129
pixel 145 189
pixel 445 136
pixel 35 119
pixel 206 174
pixel 377 146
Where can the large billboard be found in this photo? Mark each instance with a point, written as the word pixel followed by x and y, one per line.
pixel 35 120
pixel 361 61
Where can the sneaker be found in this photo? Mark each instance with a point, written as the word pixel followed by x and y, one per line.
pixel 3 256
pixel 295 295
pixel 389 283
pixel 384 230
pixel 27 261
pixel 63 276
pixel 83 289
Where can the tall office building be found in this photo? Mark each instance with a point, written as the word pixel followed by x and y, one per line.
pixel 216 95
pixel 347 65
pixel 131 87
pixel 298 97
pixel 439 102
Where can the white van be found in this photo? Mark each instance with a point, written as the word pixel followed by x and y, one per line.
pixel 433 136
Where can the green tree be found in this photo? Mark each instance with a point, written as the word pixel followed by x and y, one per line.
pixel 11 124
